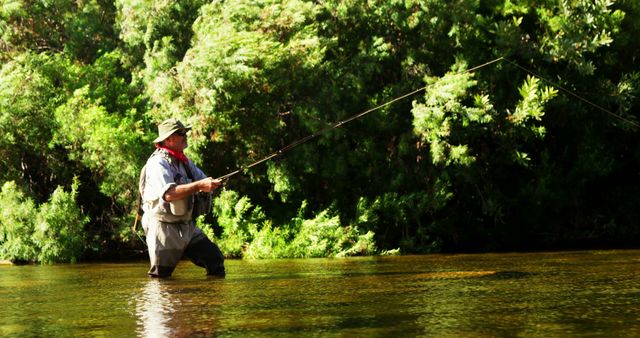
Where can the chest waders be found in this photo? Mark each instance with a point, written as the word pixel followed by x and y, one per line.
pixel 170 237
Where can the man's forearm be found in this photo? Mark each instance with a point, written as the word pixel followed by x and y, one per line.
pixel 181 191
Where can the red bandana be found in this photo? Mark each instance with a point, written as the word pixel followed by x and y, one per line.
pixel 180 156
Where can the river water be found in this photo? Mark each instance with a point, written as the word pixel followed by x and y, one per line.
pixel 560 294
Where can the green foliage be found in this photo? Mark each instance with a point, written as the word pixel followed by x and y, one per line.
pixel 247 233
pixel 142 24
pixel 59 227
pixel 230 78
pixel 575 29
pixel 16 224
pixel 324 236
pixel 107 144
pixel 491 159
pixel 532 104
pixel 49 233
pixel 25 106
pixel 239 220
pixel 282 179
pixel 443 113
pixel 268 242
pixel 398 219
pixel 63 120
pixel 76 28
pixel 28 96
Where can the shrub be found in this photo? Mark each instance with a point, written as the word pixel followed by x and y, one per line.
pixel 49 233
pixel 323 236
pixel 246 232
pixel 16 224
pixel 238 218
pixel 59 228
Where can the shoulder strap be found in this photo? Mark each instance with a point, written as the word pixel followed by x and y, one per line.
pixel 187 168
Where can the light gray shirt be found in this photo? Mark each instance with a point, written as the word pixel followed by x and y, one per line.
pixel 163 172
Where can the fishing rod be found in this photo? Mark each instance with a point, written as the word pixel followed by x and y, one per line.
pixel 356 116
pixel 340 124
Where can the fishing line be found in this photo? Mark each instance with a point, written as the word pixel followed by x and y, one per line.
pixel 573 94
pixel 359 115
pixel 340 124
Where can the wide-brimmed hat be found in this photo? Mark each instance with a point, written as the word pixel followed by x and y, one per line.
pixel 168 127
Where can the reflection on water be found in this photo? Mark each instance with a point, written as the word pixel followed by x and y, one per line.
pixel 154 309
pixel 531 295
pixel 177 308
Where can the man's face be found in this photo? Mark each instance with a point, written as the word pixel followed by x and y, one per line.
pixel 177 141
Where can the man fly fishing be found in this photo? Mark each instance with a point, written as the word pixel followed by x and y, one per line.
pixel 173 191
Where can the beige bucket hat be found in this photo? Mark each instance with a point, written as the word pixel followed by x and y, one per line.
pixel 168 127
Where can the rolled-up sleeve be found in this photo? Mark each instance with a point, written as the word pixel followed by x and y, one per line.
pixel 159 179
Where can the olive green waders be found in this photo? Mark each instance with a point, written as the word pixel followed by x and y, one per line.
pixel 168 242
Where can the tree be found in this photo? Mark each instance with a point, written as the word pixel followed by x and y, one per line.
pixel 536 149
